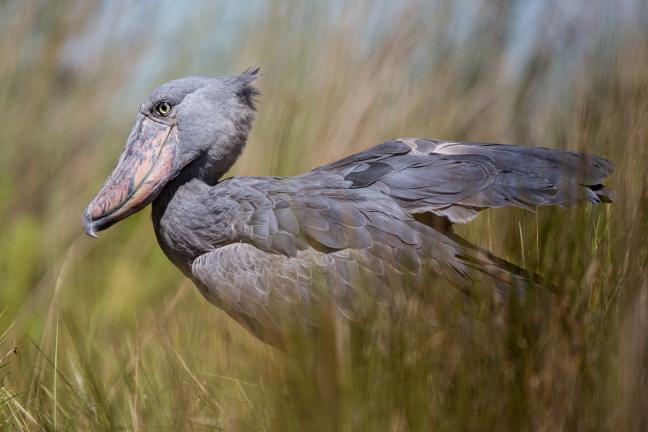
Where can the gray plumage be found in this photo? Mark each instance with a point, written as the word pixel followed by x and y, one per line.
pixel 268 249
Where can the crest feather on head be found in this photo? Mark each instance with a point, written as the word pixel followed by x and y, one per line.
pixel 247 92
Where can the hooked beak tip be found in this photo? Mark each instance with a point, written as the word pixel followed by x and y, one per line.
pixel 88 225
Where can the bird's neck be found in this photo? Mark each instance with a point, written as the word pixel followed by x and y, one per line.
pixel 182 202
pixel 201 174
pixel 212 166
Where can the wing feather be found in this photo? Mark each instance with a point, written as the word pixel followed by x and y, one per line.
pixel 457 179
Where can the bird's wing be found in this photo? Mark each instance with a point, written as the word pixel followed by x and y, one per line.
pixel 456 179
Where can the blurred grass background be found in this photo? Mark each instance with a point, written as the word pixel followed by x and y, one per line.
pixel 107 335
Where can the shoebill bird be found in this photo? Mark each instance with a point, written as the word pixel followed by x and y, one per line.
pixel 255 245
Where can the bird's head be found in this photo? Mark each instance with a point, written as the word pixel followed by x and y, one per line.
pixel 196 123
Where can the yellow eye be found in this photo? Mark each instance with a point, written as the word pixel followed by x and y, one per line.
pixel 163 108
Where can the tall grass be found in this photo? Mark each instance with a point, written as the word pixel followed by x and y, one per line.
pixel 106 335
